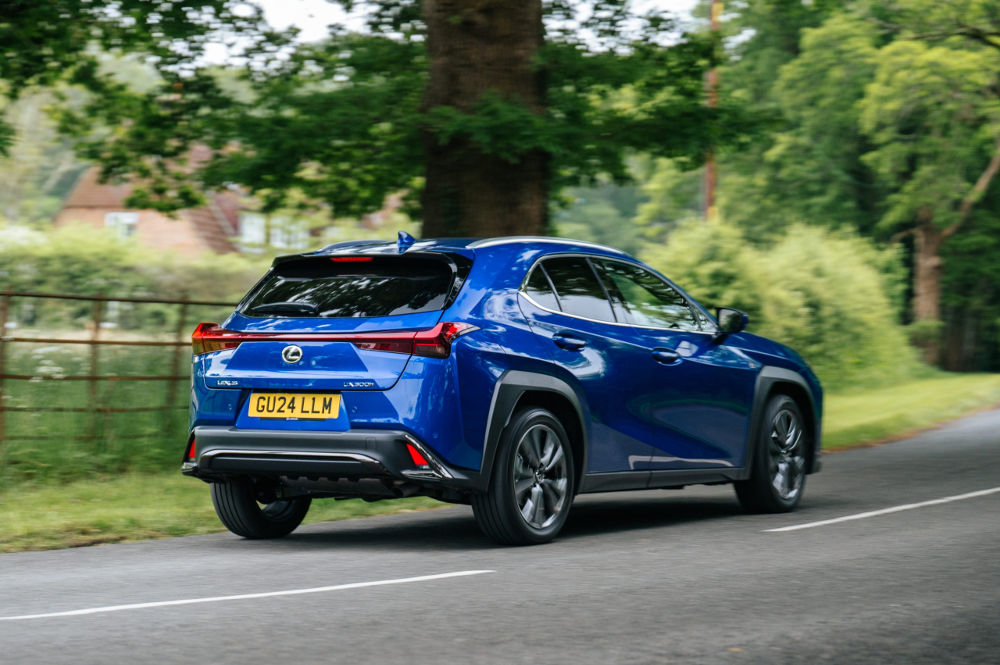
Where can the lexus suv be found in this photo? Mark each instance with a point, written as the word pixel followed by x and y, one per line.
pixel 510 374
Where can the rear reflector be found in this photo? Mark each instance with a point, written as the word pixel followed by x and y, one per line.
pixel 433 343
pixel 415 455
pixel 190 452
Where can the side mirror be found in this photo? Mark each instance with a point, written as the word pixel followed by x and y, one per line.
pixel 730 321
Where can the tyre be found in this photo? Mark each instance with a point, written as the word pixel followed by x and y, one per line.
pixel 778 468
pixel 532 484
pixel 247 511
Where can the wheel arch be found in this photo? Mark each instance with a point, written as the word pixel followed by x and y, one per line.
pixel 516 390
pixel 779 381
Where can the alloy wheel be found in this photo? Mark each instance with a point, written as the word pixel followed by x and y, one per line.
pixel 541 476
pixel 787 460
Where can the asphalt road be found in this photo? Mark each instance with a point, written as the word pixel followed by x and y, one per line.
pixel 653 577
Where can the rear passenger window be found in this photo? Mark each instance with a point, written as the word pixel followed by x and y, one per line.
pixel 577 288
pixel 539 289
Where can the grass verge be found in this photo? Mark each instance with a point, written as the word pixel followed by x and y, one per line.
pixel 163 504
pixel 866 416
pixel 138 507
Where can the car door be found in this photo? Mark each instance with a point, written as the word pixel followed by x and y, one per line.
pixel 693 395
pixel 566 304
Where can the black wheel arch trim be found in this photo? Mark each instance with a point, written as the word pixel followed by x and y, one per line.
pixel 507 393
pixel 769 380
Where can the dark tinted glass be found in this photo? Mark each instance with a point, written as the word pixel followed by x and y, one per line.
pixel 579 291
pixel 384 286
pixel 539 290
pixel 649 300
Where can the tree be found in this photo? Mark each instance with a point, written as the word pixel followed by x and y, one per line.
pixel 783 178
pixel 479 110
pixel 478 51
pixel 934 115
pixel 888 123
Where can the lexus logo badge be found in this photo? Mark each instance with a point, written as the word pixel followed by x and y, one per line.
pixel 291 354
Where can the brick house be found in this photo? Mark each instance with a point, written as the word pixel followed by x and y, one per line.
pixel 213 227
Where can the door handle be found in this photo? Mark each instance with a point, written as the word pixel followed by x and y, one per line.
pixel 568 342
pixel 666 356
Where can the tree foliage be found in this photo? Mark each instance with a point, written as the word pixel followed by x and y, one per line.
pixel 56 41
pixel 347 121
pixel 933 115
pixel 888 124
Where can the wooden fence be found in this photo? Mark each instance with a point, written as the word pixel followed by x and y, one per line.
pixel 178 345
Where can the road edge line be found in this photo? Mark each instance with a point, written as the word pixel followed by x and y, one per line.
pixel 885 511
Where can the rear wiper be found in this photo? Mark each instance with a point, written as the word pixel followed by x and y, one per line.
pixel 286 308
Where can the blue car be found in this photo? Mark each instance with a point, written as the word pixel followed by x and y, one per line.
pixel 509 373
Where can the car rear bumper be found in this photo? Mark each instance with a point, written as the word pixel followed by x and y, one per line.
pixel 355 454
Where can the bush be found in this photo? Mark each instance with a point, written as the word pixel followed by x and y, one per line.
pixel 829 295
pixel 82 260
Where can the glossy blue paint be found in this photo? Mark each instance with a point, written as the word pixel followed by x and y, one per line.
pixel 641 409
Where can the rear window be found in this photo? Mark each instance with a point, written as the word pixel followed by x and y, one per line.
pixel 352 287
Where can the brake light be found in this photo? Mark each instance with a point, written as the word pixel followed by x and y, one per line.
pixel 433 343
pixel 351 259
pixel 208 337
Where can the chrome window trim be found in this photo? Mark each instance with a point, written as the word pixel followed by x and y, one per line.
pixel 527 274
pixel 492 242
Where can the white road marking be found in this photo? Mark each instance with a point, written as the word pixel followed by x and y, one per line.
pixel 247 596
pixel 886 511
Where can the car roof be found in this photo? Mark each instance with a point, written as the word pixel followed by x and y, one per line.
pixel 549 244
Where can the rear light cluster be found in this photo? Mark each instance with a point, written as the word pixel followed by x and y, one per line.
pixel 433 343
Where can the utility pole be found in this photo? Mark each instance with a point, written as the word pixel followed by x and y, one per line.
pixel 712 86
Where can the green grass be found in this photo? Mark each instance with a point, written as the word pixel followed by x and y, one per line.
pixel 113 507
pixel 865 416
pixel 138 507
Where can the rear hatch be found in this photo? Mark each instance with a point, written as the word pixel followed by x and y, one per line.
pixel 356 319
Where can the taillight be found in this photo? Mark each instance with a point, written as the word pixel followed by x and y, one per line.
pixel 208 337
pixel 436 342
pixel 433 343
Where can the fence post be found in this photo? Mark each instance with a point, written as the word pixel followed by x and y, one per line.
pixel 4 313
pixel 175 361
pixel 92 396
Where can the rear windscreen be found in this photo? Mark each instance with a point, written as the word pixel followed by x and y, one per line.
pixel 355 287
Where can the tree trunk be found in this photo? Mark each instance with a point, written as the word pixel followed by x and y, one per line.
pixel 927 280
pixel 477 46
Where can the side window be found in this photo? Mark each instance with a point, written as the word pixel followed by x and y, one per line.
pixel 649 300
pixel 539 289
pixel 577 288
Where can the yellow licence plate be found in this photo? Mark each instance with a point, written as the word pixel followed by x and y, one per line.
pixel 294 405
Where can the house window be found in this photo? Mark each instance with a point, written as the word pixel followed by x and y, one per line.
pixel 258 231
pixel 122 223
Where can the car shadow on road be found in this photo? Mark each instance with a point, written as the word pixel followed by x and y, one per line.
pixel 454 529
pixel 615 515
pixel 450 528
